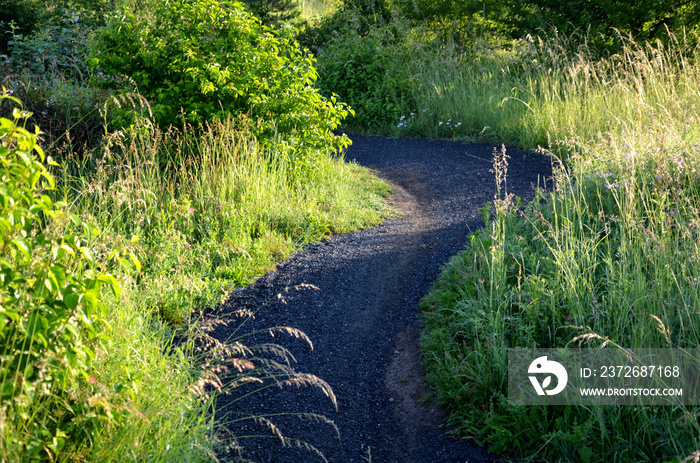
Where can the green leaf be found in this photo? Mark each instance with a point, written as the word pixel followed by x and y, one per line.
pixel 91 229
pixel 59 275
pixel 19 114
pixel 5 227
pixel 9 313
pixel 33 177
pixel 71 300
pixel 90 298
pixel 6 124
pixel 87 254
pixel 46 203
pixel 5 196
pixel 37 324
pixel 112 282
pixel 136 262
pixel 22 246
pixel 40 336
pixel 7 390
pixel 6 276
pixel 67 248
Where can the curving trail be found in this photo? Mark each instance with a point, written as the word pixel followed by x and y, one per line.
pixel 363 318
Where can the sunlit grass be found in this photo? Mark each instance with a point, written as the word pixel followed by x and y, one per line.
pixel 552 90
pixel 317 8
pixel 204 212
pixel 610 253
pixel 214 209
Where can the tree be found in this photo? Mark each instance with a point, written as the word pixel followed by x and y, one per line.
pixel 644 19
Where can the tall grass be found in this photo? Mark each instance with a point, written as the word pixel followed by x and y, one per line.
pixel 551 89
pixel 215 210
pixel 312 9
pixel 144 380
pixel 201 212
pixel 609 256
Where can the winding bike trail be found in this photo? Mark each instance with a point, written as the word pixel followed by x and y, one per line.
pixel 356 296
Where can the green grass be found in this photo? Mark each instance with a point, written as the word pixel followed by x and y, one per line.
pixel 204 212
pixel 214 210
pixel 538 91
pixel 311 9
pixel 609 255
pixel 218 213
pixel 145 381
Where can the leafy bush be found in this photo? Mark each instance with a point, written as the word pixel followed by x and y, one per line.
pixel 50 290
pixel 360 15
pixel 58 47
pixel 29 17
pixel 644 19
pixel 18 16
pixel 199 59
pixel 48 72
pixel 368 72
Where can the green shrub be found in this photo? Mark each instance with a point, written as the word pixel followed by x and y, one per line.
pixel 48 72
pixel 55 48
pixel 17 16
pixel 368 72
pixel 200 59
pixel 50 295
pixel 29 17
pixel 602 20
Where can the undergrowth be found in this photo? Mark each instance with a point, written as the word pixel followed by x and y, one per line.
pixel 189 215
pixel 214 209
pixel 170 218
pixel 608 256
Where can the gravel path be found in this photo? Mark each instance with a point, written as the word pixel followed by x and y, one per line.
pixel 356 296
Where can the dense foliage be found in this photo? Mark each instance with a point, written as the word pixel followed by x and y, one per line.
pixel 50 290
pixel 273 12
pixel 367 71
pixel 644 19
pixel 196 60
pixel 496 70
pixel 608 256
pixel 23 16
pixel 47 70
pixel 85 376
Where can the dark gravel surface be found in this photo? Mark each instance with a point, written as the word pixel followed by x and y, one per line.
pixel 356 296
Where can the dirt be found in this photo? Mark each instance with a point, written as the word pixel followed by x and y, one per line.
pixel 356 296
